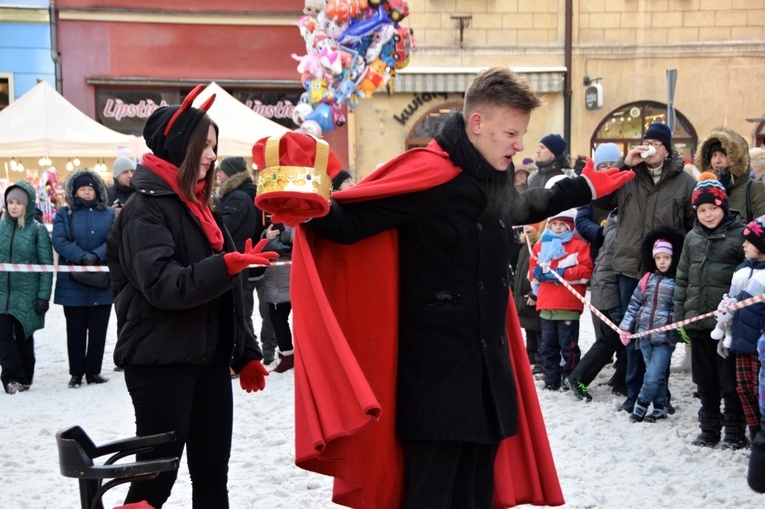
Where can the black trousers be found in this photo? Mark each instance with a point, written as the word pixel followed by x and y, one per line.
pixel 600 354
pixel 267 334
pixel 714 376
pixel 17 355
pixel 280 316
pixel 448 475
pixel 196 402
pixel 86 337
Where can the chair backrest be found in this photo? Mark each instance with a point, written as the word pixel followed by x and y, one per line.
pixel 75 449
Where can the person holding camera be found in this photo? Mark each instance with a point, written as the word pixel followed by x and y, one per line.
pixel 79 237
pixel 119 192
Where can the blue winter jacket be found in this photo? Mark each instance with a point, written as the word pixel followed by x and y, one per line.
pixel 652 308
pixel 748 322
pixel 91 225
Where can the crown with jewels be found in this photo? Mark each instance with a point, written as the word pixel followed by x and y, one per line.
pixel 276 177
pixel 295 176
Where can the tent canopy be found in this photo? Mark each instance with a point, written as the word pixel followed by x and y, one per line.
pixel 239 127
pixel 43 123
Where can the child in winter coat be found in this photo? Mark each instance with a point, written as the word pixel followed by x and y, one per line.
pixel 651 306
pixel 748 322
pixel 525 297
pixel 24 295
pixel 562 251
pixel 711 252
pixel 754 249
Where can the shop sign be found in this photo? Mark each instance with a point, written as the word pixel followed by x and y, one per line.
pixel 126 111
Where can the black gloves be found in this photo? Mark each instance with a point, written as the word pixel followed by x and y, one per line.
pixel 89 259
pixel 41 306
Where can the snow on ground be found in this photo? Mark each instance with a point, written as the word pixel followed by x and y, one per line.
pixel 603 460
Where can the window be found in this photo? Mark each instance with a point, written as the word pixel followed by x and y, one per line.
pixel 430 125
pixel 625 127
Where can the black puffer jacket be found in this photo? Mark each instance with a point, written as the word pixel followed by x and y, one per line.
pixel 173 298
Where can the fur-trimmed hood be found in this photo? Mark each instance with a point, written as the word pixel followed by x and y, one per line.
pixel 233 183
pixel 735 147
pixel 674 237
pixel 102 193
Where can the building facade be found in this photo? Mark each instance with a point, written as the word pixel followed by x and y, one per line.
pixel 601 66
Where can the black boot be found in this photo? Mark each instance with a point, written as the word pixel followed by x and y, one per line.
pixel 756 475
pixel 735 432
pixel 711 425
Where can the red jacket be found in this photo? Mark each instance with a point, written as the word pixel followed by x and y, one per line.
pixel 345 384
pixel 577 270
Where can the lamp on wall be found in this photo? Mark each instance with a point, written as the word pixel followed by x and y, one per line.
pixel 462 21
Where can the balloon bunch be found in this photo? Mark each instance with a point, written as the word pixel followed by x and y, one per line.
pixel 353 47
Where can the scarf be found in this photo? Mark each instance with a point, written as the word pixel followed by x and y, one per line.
pixel 168 172
pixel 552 245
pixel 498 185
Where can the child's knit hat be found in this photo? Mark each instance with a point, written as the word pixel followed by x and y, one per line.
pixel 710 190
pixel 567 217
pixel 755 233
pixel 662 246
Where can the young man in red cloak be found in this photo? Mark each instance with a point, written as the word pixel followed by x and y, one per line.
pixel 412 387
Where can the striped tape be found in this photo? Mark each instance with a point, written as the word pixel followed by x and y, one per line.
pixel 668 327
pixel 33 267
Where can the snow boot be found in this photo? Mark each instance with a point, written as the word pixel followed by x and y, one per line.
pixel 628 405
pixel 735 432
pixel 711 425
pixel 639 411
pixel 577 388
pixel 286 362
pixel 659 412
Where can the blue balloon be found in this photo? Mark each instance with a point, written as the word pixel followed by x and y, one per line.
pixel 365 26
pixel 322 115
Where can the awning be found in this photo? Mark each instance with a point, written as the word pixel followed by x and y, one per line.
pixel 456 79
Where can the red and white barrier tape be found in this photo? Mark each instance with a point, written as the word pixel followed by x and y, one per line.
pixel 33 267
pixel 675 325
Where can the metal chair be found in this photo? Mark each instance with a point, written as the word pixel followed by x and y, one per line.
pixel 76 452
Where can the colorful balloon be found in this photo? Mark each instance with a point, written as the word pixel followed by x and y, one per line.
pixel 353 48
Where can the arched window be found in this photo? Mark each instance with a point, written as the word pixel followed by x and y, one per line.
pixel 430 125
pixel 625 127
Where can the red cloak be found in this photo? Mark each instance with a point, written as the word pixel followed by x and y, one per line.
pixel 345 301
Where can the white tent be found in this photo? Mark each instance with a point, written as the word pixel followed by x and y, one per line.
pixel 239 126
pixel 43 123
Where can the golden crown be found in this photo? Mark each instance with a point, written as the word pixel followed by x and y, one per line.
pixel 298 179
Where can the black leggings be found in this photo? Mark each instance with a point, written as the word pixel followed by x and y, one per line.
pixel 196 402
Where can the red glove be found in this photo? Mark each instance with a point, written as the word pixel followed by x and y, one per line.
pixel 293 211
pixel 603 183
pixel 136 505
pixel 236 262
pixel 624 337
pixel 252 378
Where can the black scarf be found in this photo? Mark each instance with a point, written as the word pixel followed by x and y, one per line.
pixel 496 184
